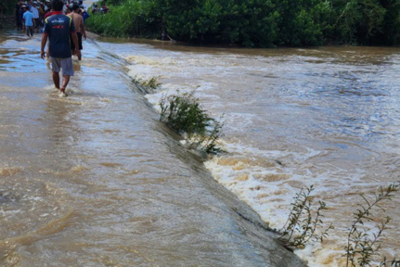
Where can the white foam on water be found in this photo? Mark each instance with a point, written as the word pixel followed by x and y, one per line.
pixel 259 179
pixel 51 87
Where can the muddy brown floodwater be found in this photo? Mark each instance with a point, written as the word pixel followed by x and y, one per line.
pixel 96 180
pixel 327 117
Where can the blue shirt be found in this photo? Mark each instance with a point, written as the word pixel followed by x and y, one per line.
pixel 28 17
pixel 59 27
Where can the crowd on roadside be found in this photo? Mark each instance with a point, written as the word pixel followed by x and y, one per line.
pixel 31 14
pixel 100 9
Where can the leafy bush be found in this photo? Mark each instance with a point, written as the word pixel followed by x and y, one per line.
pixel 152 83
pixel 184 115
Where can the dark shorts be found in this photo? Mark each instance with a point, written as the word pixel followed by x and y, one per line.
pixel 79 41
pixel 37 23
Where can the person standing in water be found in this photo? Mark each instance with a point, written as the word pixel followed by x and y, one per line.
pixel 58 29
pixel 35 11
pixel 79 28
pixel 29 22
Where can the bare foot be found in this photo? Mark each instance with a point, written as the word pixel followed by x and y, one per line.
pixel 63 93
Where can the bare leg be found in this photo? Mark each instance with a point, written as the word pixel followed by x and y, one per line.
pixel 80 56
pixel 65 83
pixel 56 80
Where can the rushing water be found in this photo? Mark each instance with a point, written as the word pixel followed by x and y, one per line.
pixel 328 117
pixel 96 180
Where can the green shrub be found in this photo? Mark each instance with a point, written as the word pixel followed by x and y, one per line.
pixel 303 221
pixel 361 246
pixel 152 83
pixel 184 115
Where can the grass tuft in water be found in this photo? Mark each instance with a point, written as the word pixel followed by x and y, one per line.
pixel 183 114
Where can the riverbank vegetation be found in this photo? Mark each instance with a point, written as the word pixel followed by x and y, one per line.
pixel 255 23
pixel 7 7
pixel 6 10
pixel 364 236
pixel 183 114
pixel 303 221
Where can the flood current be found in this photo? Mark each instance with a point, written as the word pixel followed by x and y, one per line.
pixel 96 180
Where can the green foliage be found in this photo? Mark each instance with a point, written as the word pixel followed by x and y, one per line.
pixel 302 22
pixel 360 20
pixel 303 221
pixel 7 7
pixel 184 115
pixel 152 83
pixel 132 18
pixel 361 246
pixel 392 263
pixel 255 23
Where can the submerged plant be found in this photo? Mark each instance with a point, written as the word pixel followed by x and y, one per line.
pixel 152 83
pixel 183 114
pixel 361 246
pixel 392 263
pixel 303 220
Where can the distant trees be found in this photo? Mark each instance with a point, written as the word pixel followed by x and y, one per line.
pixel 7 7
pixel 258 23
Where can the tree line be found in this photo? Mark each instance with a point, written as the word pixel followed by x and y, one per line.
pixel 6 7
pixel 256 23
pixel 252 23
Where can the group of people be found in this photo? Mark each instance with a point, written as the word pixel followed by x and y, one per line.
pixel 102 9
pixel 29 15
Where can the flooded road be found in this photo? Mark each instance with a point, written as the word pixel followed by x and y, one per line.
pixel 95 180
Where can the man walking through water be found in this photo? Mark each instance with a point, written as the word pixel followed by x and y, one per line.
pixel 58 29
